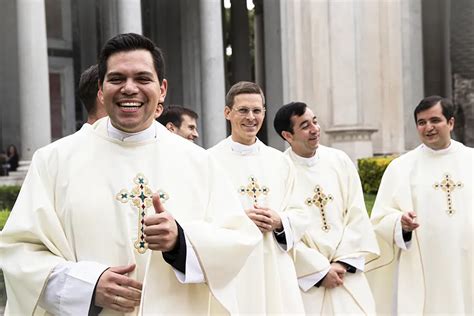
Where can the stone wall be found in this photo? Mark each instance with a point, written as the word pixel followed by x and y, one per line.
pixel 462 38
pixel 463 98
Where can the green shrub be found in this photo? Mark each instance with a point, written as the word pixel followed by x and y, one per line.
pixel 369 202
pixel 3 217
pixel 3 292
pixel 371 171
pixel 8 195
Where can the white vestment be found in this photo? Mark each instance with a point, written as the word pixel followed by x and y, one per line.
pixel 79 203
pixel 264 176
pixel 70 282
pixel 340 230
pixel 435 274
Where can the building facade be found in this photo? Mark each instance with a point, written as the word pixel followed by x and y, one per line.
pixel 362 66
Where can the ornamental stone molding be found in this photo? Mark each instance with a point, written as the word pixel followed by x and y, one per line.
pixel 355 141
pixel 351 133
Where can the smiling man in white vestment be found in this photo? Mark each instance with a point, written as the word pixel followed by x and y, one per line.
pixel 264 179
pixel 423 218
pixel 180 120
pixel 89 235
pixel 331 257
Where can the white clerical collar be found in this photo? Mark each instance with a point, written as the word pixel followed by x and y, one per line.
pixel 146 134
pixel 244 149
pixel 311 161
pixel 439 151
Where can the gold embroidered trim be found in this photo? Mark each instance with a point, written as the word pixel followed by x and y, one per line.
pixel 447 185
pixel 253 190
pixel 320 200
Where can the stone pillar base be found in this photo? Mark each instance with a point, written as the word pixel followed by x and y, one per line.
pixel 355 141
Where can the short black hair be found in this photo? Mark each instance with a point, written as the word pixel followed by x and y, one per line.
pixel 88 87
pixel 282 121
pixel 428 102
pixel 128 42
pixel 174 114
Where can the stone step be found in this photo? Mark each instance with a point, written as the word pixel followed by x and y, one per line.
pixel 16 177
pixel 13 178
pixel 23 165
pixel 17 174
pixel 11 181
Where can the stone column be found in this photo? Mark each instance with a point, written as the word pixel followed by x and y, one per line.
pixel 330 61
pixel 191 61
pixel 129 16
pixel 240 41
pixel 275 80
pixel 212 73
pixel 412 65
pixel 348 131
pixel 35 121
pixel 259 45
pixel 119 16
pixel 9 88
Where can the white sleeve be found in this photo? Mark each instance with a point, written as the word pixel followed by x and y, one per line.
pixel 194 272
pixel 288 233
pixel 70 288
pixel 307 282
pixel 356 262
pixel 398 236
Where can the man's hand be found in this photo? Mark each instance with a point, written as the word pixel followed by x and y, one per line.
pixel 266 219
pixel 161 231
pixel 408 221
pixel 335 276
pixel 117 291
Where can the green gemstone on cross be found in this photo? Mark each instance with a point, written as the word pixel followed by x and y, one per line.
pixel 140 198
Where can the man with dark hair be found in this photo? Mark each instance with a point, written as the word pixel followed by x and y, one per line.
pixel 423 220
pixel 181 121
pixel 87 92
pixel 447 108
pixel 87 234
pixel 264 178
pixel 331 257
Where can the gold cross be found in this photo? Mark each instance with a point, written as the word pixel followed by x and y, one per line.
pixel 448 185
pixel 320 200
pixel 140 198
pixel 253 189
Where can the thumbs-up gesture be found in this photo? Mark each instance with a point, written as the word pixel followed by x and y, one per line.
pixel 161 231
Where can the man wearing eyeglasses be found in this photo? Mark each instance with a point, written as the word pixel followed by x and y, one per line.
pixel 87 235
pixel 264 179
